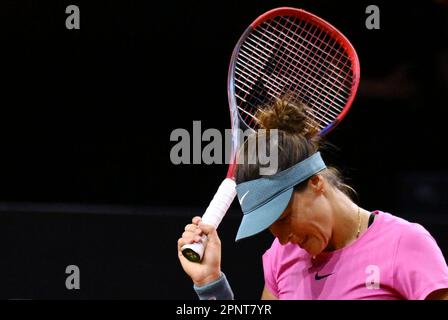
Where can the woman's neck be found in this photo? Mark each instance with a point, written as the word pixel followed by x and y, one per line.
pixel 349 221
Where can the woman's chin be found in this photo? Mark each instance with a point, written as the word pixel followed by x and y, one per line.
pixel 314 248
pixel 312 252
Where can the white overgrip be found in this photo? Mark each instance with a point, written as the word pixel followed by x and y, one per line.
pixel 213 215
pixel 220 203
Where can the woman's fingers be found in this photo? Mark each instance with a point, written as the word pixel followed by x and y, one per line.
pixel 192 233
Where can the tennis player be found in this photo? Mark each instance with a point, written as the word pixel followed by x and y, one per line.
pixel 325 246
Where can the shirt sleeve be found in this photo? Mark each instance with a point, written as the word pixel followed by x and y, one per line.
pixel 269 270
pixel 420 267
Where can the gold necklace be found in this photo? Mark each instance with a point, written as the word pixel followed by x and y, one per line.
pixel 359 228
pixel 359 223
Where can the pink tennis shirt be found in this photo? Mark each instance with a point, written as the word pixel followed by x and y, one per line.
pixel 392 259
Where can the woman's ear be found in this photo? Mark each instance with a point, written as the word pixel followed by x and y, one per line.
pixel 316 183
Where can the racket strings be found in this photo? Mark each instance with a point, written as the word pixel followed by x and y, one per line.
pixel 305 81
pixel 308 72
pixel 289 26
pixel 285 30
pixel 314 49
pixel 278 70
pixel 329 96
pixel 284 55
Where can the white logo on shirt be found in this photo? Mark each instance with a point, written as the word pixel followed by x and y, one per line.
pixel 373 280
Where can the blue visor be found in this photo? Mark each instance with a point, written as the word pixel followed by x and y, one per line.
pixel 263 200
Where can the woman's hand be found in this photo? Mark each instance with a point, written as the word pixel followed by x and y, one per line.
pixel 209 269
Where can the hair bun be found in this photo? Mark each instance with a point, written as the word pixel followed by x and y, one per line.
pixel 288 116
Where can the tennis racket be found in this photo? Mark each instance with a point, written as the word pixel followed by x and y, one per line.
pixel 284 51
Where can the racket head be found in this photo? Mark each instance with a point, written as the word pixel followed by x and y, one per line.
pixel 291 51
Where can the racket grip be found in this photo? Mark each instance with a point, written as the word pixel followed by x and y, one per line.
pixel 213 215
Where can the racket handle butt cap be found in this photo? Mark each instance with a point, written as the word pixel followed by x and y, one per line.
pixel 194 251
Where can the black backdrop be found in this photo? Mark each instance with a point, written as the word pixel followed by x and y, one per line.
pixel 86 117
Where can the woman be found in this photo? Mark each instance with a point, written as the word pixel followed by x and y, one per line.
pixel 326 246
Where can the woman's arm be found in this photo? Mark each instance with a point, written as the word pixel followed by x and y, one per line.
pixel 441 294
pixel 267 295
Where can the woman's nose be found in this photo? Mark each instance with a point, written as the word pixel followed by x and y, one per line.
pixel 281 233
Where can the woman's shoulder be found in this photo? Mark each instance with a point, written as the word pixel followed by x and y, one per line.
pixel 404 231
pixel 398 224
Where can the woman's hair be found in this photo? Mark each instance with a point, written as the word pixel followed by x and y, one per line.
pixel 298 139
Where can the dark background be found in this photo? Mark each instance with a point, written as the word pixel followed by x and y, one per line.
pixel 86 117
